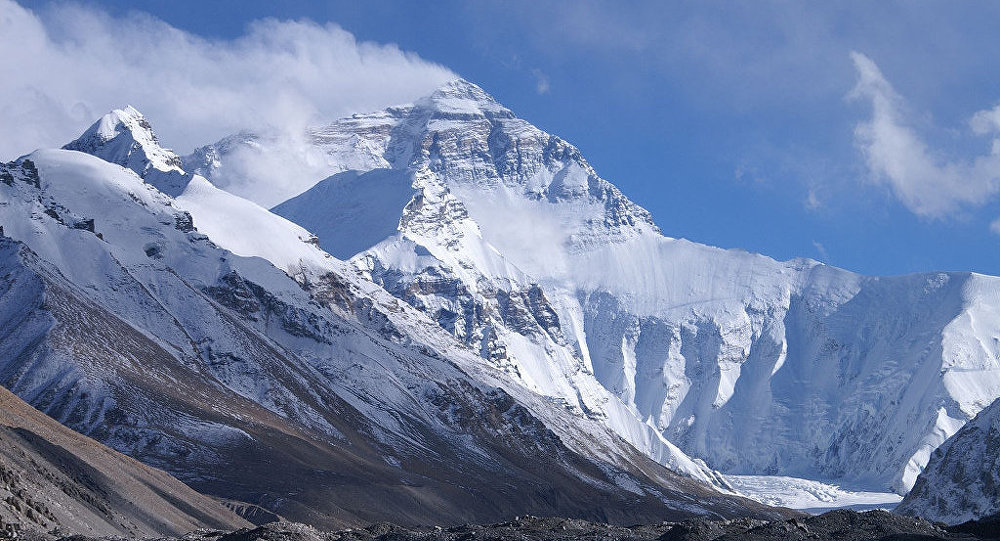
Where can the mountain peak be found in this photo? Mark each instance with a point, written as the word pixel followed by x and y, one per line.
pixel 462 99
pixel 111 124
pixel 462 87
pixel 126 138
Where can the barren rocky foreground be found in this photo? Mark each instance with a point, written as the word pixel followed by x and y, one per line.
pixel 55 480
pixel 835 525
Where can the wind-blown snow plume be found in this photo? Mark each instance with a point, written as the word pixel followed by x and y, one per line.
pixel 68 64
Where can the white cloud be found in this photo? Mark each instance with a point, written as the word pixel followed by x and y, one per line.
pixel 812 200
pixel 985 122
pixel 821 250
pixel 541 81
pixel 926 182
pixel 67 66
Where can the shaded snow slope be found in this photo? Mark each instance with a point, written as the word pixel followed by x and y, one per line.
pixel 366 211
pixel 511 242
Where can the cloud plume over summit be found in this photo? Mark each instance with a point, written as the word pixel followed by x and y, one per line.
pixel 69 64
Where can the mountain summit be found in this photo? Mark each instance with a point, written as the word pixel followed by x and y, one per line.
pixel 461 99
pixel 126 138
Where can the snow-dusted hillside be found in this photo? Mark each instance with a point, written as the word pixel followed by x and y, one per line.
pixel 509 240
pixel 205 335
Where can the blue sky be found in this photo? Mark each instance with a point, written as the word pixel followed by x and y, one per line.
pixel 859 134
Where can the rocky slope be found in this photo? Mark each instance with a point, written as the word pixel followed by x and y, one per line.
pixel 507 238
pixel 962 478
pixel 204 335
pixel 55 480
pixel 838 525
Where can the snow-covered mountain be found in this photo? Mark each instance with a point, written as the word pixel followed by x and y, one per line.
pixel 962 479
pixel 198 332
pixel 508 239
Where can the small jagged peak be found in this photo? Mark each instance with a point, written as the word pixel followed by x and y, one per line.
pixel 126 138
pixel 127 118
pixel 461 98
pixel 463 89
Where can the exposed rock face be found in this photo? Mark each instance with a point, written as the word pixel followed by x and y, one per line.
pixel 962 479
pixel 54 479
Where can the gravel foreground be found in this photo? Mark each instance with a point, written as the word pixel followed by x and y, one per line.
pixel 835 525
